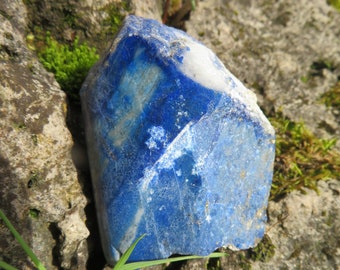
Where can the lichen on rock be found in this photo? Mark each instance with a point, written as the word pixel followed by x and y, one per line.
pixel 39 191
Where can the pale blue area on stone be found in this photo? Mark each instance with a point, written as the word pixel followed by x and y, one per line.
pixel 178 148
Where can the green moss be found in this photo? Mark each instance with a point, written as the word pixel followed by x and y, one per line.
pixel 317 69
pixel 335 4
pixel 243 262
pixel 201 33
pixel 70 17
pixel 69 63
pixel 264 251
pixel 19 126
pixel 301 158
pixel 34 213
pixel 332 97
pixel 30 41
pixel 116 14
pixel 304 79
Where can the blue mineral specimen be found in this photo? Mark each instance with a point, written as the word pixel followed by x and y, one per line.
pixel 178 148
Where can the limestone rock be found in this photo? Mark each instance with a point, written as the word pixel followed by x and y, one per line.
pixel 278 42
pixel 305 229
pixel 39 187
pixel 89 20
pixel 151 9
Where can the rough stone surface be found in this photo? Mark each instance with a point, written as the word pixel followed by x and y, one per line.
pixel 178 147
pixel 39 187
pixel 305 228
pixel 150 9
pixel 278 42
pixel 88 19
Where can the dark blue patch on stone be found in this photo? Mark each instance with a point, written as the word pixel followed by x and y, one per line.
pixel 178 148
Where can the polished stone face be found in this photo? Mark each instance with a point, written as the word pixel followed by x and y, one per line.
pixel 178 148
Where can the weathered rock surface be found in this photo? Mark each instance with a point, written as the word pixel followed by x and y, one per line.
pixel 91 21
pixel 39 187
pixel 150 9
pixel 277 42
pixel 305 229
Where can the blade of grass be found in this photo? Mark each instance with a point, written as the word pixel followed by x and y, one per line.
pixel 21 241
pixel 137 265
pixel 6 266
pixel 126 255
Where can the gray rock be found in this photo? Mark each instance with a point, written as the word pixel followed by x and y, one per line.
pixel 39 187
pixel 305 229
pixel 17 13
pixel 271 46
pixel 151 9
pixel 89 20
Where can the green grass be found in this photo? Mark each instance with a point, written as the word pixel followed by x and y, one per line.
pixel 22 243
pixel 121 264
pixel 301 158
pixel 138 265
pixel 69 63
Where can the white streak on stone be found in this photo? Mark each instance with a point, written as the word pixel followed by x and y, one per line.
pixel 202 66
pixel 139 94
pixel 184 138
pixel 131 232
pixel 149 174
pixel 166 161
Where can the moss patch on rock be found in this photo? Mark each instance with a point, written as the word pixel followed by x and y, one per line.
pixel 264 251
pixel 69 63
pixel 302 159
pixel 335 4
pixel 332 97
pixel 115 16
pixel 57 32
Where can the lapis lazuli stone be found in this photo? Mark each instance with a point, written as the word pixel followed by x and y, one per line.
pixel 178 148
